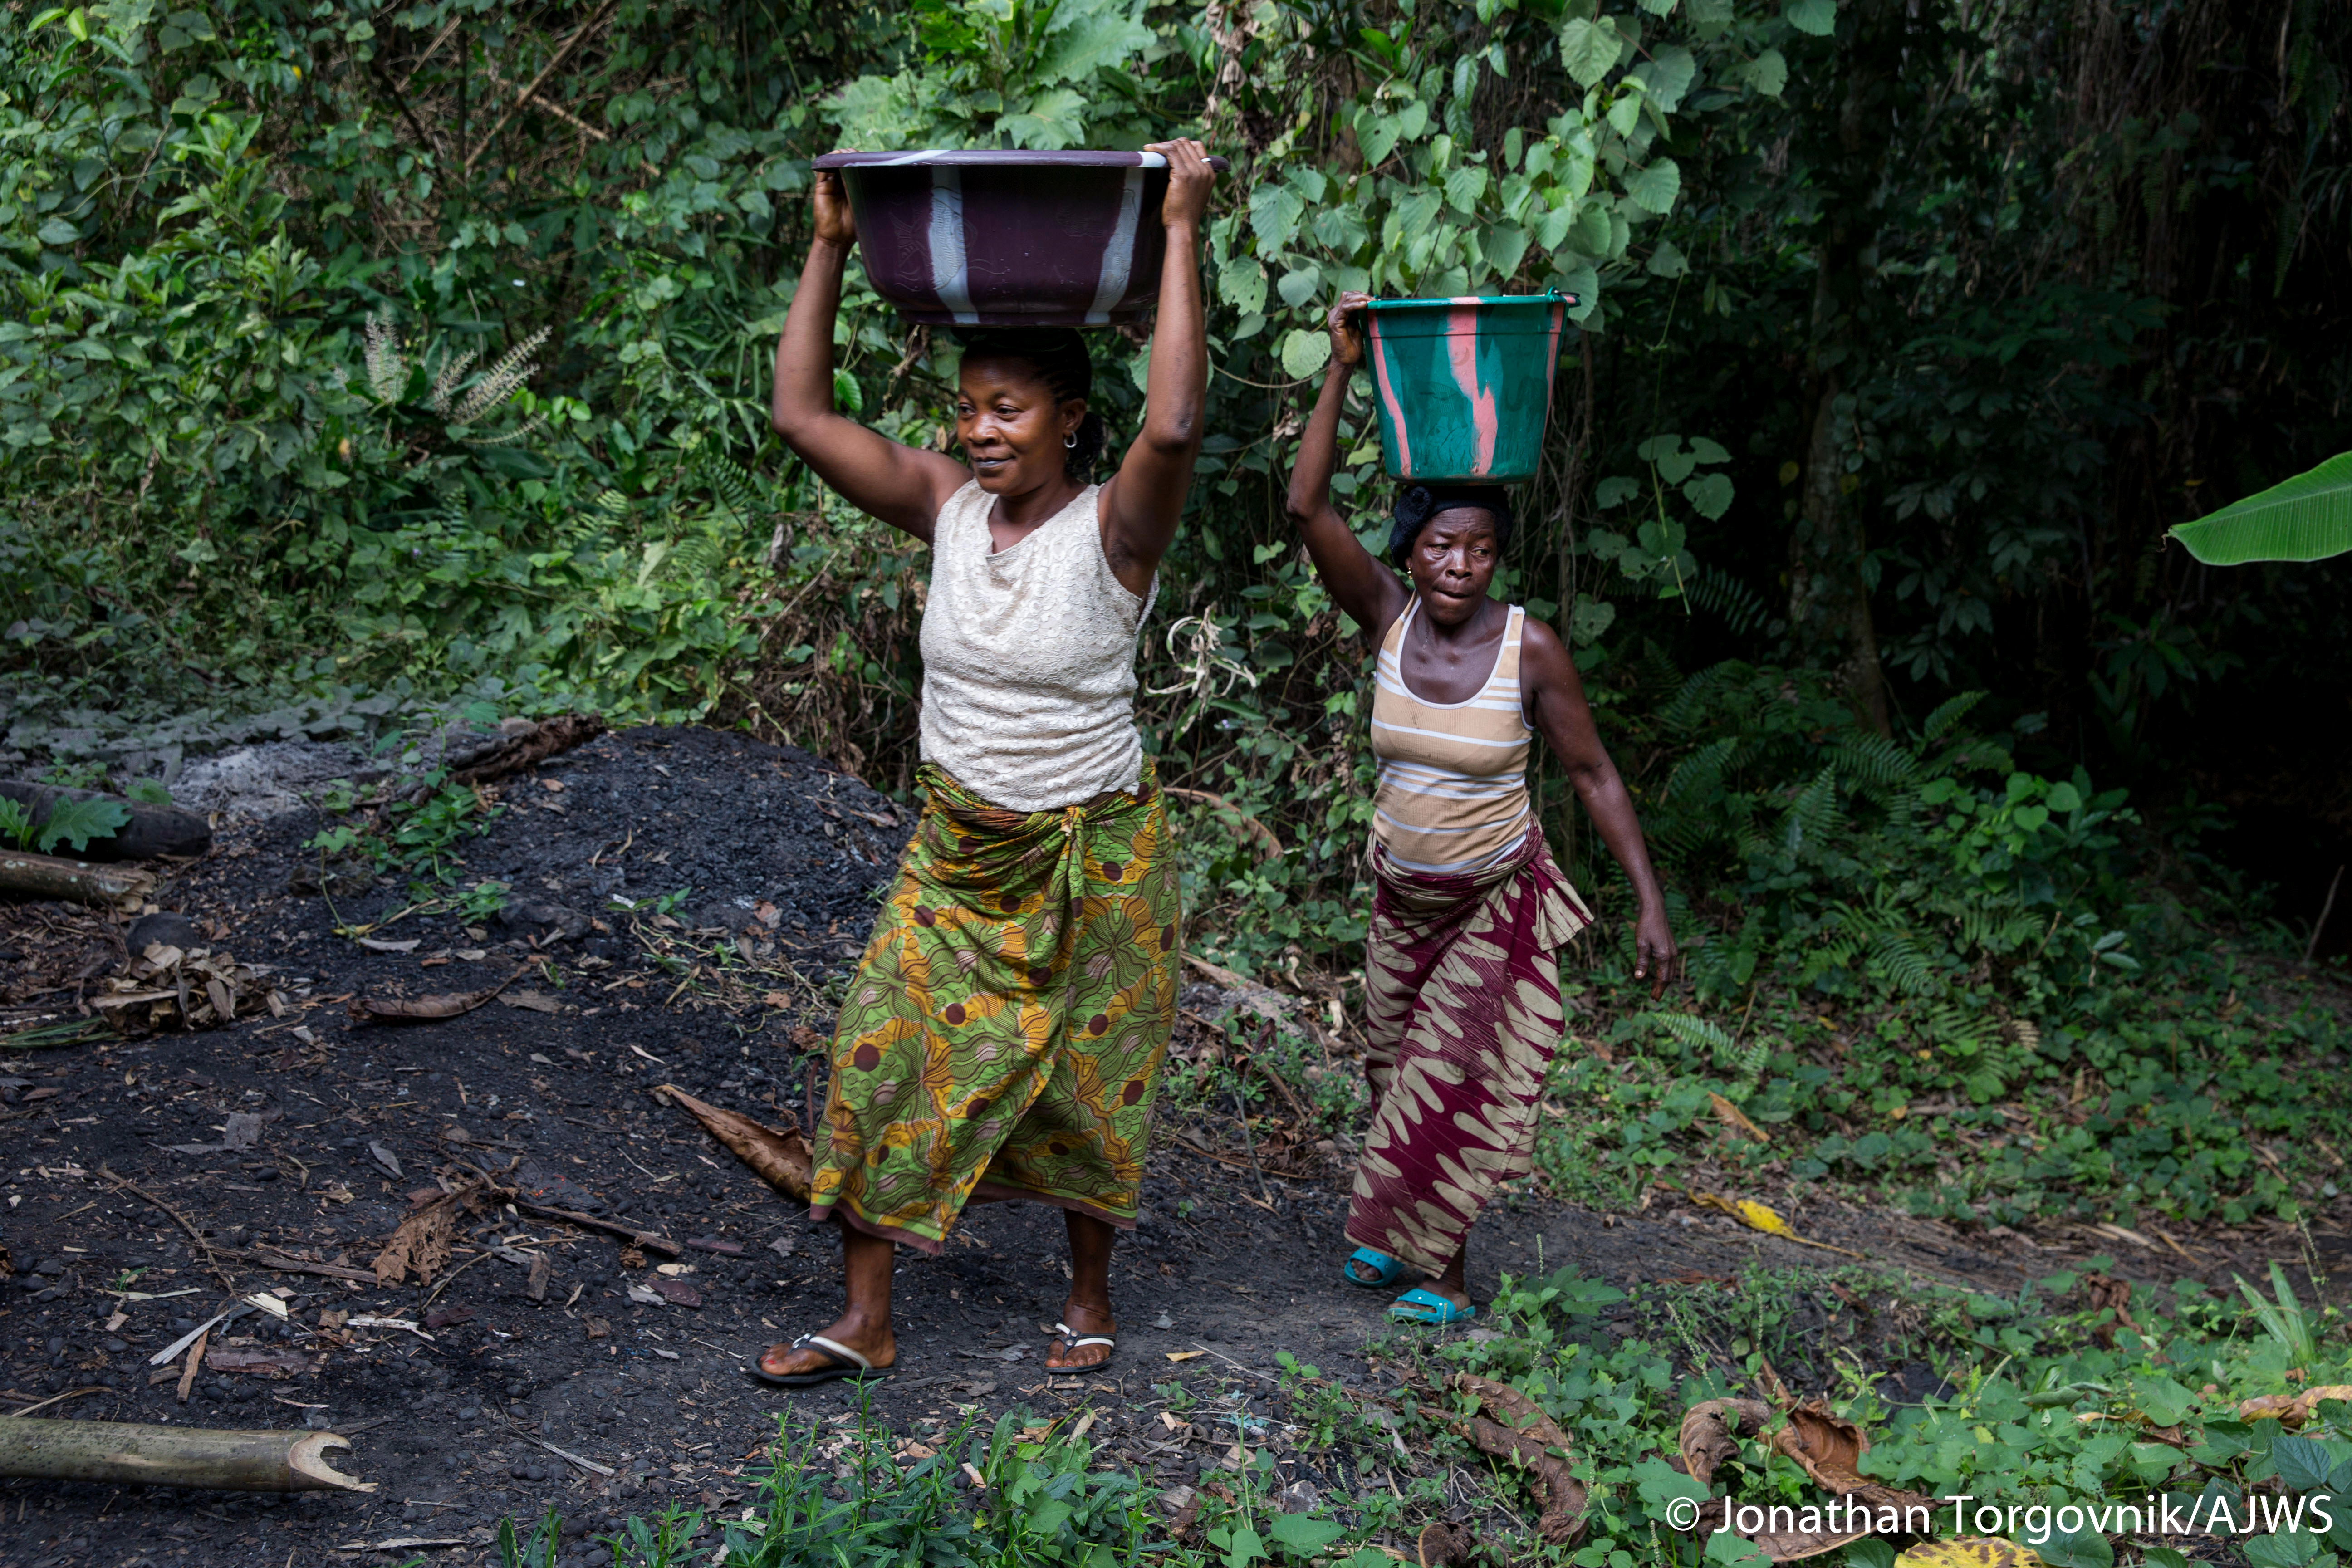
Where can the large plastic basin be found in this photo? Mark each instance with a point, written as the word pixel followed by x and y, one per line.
pixel 1464 383
pixel 1045 239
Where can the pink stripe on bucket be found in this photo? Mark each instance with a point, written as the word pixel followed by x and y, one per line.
pixel 1462 353
pixel 1394 409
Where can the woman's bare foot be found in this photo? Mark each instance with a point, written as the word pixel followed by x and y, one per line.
pixel 1084 1322
pixel 1362 1272
pixel 874 1343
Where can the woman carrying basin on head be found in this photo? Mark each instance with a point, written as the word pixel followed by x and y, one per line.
pixel 1003 1034
pixel 1464 1006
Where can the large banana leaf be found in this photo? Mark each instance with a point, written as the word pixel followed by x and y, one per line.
pixel 2308 517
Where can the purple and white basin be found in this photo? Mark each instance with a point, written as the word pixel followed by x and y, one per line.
pixel 1011 238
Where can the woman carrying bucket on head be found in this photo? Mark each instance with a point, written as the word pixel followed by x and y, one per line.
pixel 1463 1009
pixel 1003 1035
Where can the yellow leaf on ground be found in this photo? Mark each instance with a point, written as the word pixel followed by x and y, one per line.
pixel 1967 1552
pixel 1184 1355
pixel 1755 1216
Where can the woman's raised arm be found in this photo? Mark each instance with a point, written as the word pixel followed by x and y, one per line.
pixel 1359 583
pixel 1144 501
pixel 899 484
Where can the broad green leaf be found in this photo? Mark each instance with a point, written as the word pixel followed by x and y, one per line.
pixel 1654 189
pixel 57 231
pixel 1298 286
pixel 1243 1547
pixel 1274 212
pixel 1869 1552
pixel 16 826
pixel 1818 17
pixel 2307 518
pixel 1377 134
pixel 1768 73
pixel 1589 619
pixel 1241 283
pixel 1706 451
pixel 1658 7
pixel 2065 796
pixel 1667 261
pixel 1589 47
pixel 1667 75
pixel 2279 1550
pixel 1464 187
pixel 1412 120
pixel 79 821
pixel 1709 495
pixel 1591 231
pixel 1303 1533
pixel 1506 245
pixel 1304 352
pixel 1339 227
pixel 1614 489
pixel 2302 1463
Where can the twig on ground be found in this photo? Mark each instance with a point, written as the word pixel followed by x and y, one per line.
pixel 228 1280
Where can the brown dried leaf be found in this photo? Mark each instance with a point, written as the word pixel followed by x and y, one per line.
pixel 2291 1409
pixel 1526 1435
pixel 1443 1545
pixel 254 1358
pixel 780 1159
pixel 429 1009
pixel 1707 1435
pixel 1828 1447
pixel 1736 1120
pixel 677 1292
pixel 421 1243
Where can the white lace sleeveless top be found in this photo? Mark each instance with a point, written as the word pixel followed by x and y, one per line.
pixel 1029 659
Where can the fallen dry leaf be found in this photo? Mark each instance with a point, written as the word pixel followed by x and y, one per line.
pixel 1732 1117
pixel 1182 1355
pixel 255 1360
pixel 421 1243
pixel 1523 1433
pixel 2292 1409
pixel 537 1001
pixel 779 1158
pixel 379 944
pixel 1711 1431
pixel 424 1009
pixel 678 1292
pixel 1755 1216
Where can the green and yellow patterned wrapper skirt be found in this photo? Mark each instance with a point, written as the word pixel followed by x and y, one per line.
pixel 1003 1035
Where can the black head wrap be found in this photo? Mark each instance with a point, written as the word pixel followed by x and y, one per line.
pixel 1416 504
pixel 1060 358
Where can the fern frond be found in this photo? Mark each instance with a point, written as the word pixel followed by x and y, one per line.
pixel 1696 1033
pixel 1812 815
pixel 1717 592
pixel 1899 958
pixel 1949 714
pixel 1875 760
pixel 1700 774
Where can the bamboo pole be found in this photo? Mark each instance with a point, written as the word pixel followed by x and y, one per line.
pixel 129 1453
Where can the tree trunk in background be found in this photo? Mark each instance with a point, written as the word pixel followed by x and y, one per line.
pixel 1829 595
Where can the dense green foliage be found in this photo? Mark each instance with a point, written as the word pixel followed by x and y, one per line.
pixel 355 359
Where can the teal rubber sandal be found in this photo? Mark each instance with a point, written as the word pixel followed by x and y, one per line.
pixel 1385 1268
pixel 1427 1307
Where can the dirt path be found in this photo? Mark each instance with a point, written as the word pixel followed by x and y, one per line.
pixel 457 1423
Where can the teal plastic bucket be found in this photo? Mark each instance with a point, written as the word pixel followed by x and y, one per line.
pixel 1466 384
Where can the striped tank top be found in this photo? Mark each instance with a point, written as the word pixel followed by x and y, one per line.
pixel 1452 798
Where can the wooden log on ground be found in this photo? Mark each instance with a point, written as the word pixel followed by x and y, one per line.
pixel 152 829
pixel 75 881
pixel 126 1452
